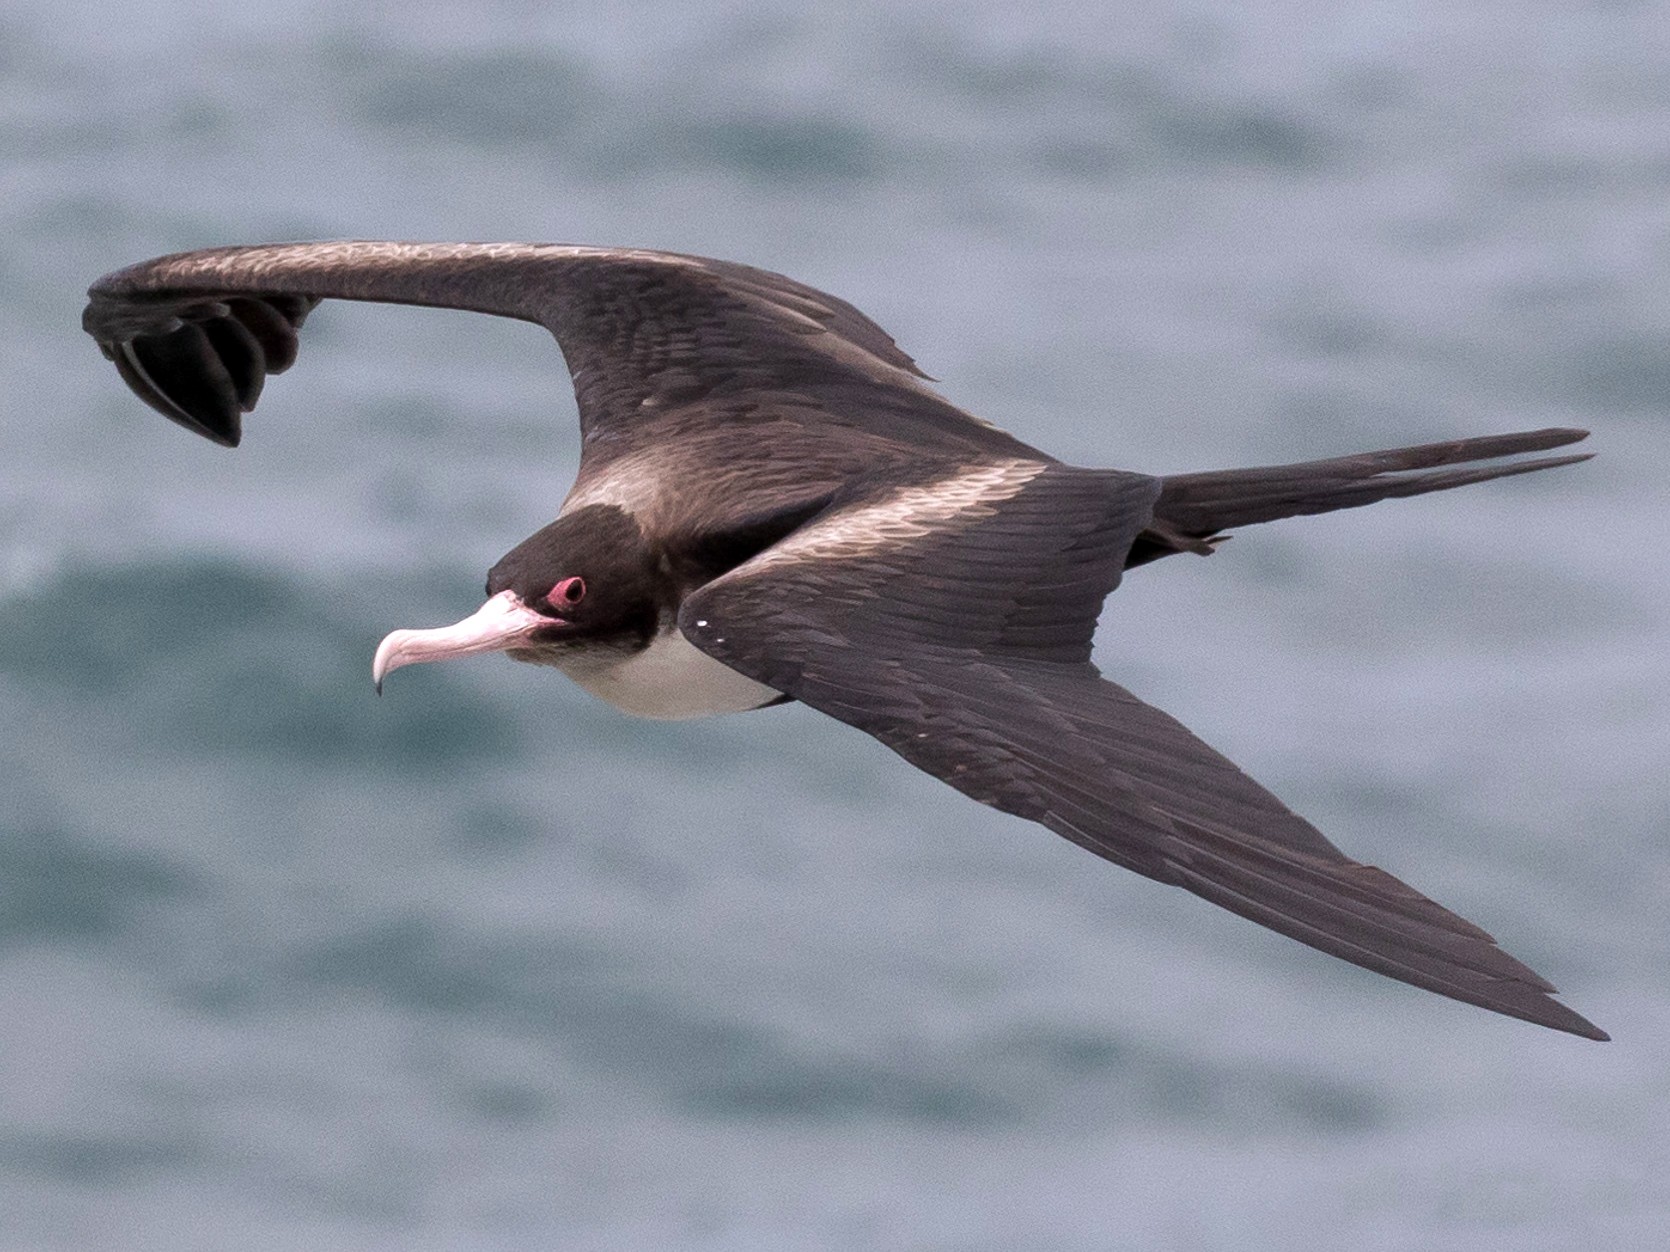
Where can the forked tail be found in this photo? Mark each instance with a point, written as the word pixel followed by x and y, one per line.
pixel 1194 510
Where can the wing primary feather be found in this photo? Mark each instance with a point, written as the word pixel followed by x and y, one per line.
pixel 240 353
pixel 271 330
pixel 183 367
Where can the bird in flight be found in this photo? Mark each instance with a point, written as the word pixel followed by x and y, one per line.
pixel 773 504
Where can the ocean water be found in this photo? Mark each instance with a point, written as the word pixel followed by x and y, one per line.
pixel 485 965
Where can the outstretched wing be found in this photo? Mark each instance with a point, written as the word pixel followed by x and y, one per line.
pixel 960 638
pixel 656 342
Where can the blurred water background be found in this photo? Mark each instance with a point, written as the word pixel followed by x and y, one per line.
pixel 485 965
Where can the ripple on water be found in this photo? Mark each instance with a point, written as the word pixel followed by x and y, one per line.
pixel 213 658
pixel 55 886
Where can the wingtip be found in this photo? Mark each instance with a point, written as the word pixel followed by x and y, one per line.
pixel 218 423
pixel 1583 1028
pixel 229 435
pixel 1548 437
pixel 1545 1010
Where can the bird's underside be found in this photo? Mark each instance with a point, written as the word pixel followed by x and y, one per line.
pixel 833 529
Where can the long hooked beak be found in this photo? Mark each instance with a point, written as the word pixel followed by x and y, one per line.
pixel 503 622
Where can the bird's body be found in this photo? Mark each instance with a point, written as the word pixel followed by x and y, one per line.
pixel 773 503
pixel 670 679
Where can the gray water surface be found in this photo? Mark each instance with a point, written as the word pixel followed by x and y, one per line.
pixel 485 965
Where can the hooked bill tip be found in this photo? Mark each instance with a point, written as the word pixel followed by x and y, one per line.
pixel 385 660
pixel 502 622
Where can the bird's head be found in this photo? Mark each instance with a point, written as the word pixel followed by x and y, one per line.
pixel 584 587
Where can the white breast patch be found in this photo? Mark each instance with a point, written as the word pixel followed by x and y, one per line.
pixel 671 679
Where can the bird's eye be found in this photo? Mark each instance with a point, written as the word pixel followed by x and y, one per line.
pixel 568 591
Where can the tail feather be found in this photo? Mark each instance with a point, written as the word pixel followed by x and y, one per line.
pixel 1194 508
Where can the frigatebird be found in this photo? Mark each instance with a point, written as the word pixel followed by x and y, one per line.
pixel 773 503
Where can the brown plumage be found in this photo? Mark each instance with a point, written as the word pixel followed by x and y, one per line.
pixel 768 479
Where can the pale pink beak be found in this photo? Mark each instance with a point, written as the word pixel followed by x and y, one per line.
pixel 503 622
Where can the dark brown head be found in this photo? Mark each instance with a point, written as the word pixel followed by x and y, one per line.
pixel 587 582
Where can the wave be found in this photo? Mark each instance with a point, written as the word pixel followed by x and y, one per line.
pixel 214 658
pixel 1075 116
pixel 61 886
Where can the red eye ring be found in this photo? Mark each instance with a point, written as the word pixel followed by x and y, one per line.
pixel 568 592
